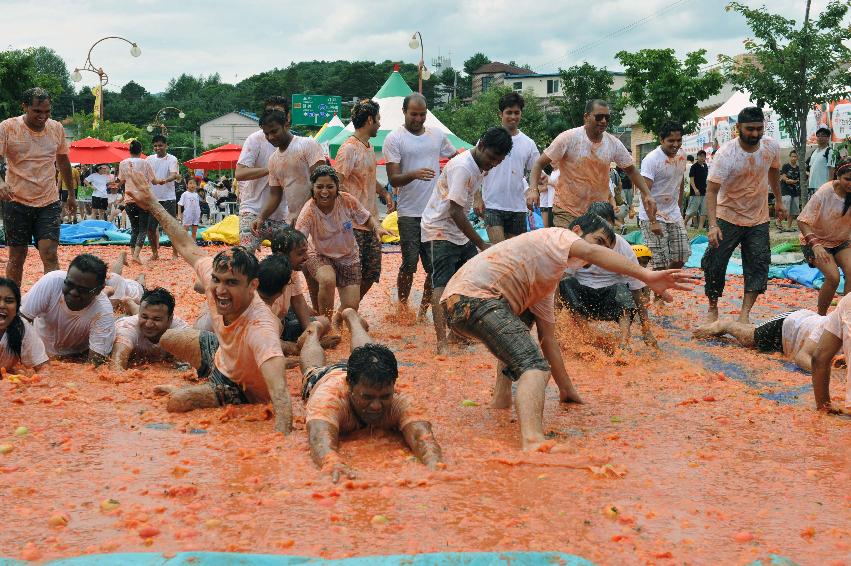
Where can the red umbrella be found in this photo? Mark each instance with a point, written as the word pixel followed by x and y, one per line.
pixel 226 147
pixel 91 151
pixel 224 157
pixel 125 147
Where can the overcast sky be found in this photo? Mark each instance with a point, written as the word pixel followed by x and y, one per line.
pixel 239 39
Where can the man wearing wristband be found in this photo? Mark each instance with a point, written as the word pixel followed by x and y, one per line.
pixel 742 171
pixel 360 392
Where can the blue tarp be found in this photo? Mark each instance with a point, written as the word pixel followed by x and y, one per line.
pixel 101 232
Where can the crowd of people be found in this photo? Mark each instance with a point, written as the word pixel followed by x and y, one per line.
pixel 323 225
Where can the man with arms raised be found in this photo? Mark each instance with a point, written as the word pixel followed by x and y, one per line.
pixel 252 170
pixel 413 154
pixel 31 144
pixel 742 171
pixel 70 313
pixel 244 352
pixel 583 156
pixel 361 392
pixel 138 336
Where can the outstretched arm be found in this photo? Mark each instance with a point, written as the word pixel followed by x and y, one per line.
pixel 422 443
pixel 120 357
pixel 182 242
pixel 274 370
pixel 323 438
pixel 828 346
pixel 552 352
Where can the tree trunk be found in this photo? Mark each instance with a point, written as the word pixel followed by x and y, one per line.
pixel 803 183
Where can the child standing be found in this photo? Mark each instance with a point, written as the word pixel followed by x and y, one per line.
pixel 190 207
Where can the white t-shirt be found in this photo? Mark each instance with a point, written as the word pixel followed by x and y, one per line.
pixel 164 167
pixel 32 350
pixel 127 333
pixel 547 195
pixel 191 203
pixel 416 152
pixel 819 166
pixel 290 170
pixel 256 152
pixel 503 188
pixel 99 182
pixel 458 183
pixel 63 331
pixel 799 327
pixel 124 287
pixel 667 175
pixel 596 277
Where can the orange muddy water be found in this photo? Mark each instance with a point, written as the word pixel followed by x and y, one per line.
pixel 703 453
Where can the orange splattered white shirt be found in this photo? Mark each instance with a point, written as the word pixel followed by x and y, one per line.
pixel 584 167
pixel 290 170
pixel 524 270
pixel 30 158
pixel 332 234
pixel 246 343
pixel 297 286
pixel 355 164
pixel 823 214
pixel 140 165
pixel 458 183
pixel 329 402
pixel 743 180
pixel 838 323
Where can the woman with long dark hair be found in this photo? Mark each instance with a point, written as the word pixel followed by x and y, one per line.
pixel 19 344
pixel 825 226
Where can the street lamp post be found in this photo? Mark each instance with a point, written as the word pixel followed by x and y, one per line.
pixel 422 71
pixel 135 51
pixel 158 123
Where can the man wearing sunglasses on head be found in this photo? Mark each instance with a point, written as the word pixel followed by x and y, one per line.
pixel 583 156
pixel 70 313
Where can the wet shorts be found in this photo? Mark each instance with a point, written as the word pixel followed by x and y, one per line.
pixel 247 239
pixel 605 303
pixel 99 203
pixel 370 255
pixel 24 223
pixel 413 248
pixel 446 259
pixel 170 206
pixel 512 222
pixel 506 334
pixel 227 391
pixel 768 336
pixel 313 375
pixel 811 258
pixel 347 273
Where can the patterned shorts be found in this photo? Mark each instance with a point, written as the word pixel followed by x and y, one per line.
pixel 347 272
pixel 671 246
pixel 227 391
pixel 370 255
pixel 247 239
pixel 314 374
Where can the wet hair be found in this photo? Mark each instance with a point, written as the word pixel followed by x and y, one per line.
pixel 239 260
pixel 15 331
pixel 413 97
pixel 510 99
pixel 690 158
pixel 364 109
pixel 274 272
pixel 701 152
pixel 498 139
pixel 88 263
pixel 590 223
pixel 751 114
pixel 669 127
pixel 844 168
pixel 159 138
pixel 325 171
pixel 374 364
pixel 34 95
pixel 824 130
pixel 589 106
pixel 604 210
pixel 274 117
pixel 277 101
pixel 135 147
pixel 158 296
pixel 286 240
pixel 548 169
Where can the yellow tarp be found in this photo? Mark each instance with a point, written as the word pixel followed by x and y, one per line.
pixel 391 224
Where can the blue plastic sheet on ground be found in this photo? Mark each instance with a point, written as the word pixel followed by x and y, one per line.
pixel 809 276
pixel 101 232
pixel 231 559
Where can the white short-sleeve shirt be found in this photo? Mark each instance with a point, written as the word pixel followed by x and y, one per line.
pixel 127 333
pixel 32 350
pixel 256 152
pixel 63 331
pixel 164 167
pixel 458 183
pixel 503 187
pixel 596 277
pixel 666 173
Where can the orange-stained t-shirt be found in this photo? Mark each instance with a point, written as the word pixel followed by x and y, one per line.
pixel 838 323
pixel 356 165
pixel 297 286
pixel 246 343
pixel 332 234
pixel 743 180
pixel 290 170
pixel 329 402
pixel 584 167
pixel 824 215
pixel 30 158
pixel 524 270
pixel 131 191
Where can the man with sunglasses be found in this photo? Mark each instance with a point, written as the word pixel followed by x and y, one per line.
pixel 583 156
pixel 70 313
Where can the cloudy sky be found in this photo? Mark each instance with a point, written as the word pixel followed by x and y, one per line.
pixel 239 39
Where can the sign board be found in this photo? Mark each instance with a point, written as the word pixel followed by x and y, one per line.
pixel 314 109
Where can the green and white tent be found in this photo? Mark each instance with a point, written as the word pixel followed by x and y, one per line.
pixel 329 131
pixel 390 98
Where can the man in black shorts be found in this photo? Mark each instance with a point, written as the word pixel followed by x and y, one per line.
pixel 166 171
pixel 31 144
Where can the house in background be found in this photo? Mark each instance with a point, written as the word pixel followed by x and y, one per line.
pixel 232 127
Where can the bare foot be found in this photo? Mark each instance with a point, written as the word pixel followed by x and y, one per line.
pixel 165 389
pixel 136 259
pixel 745 318
pixel 317 327
pixel 442 348
pixel 328 342
pixel 336 320
pixel 353 317
pixel 711 315
pixel 538 445
pixel 707 330
pixel 501 400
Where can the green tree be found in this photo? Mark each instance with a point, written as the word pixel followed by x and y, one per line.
pixel 474 62
pixel 662 88
pixel 792 68
pixel 81 124
pixel 471 121
pixel 16 75
pixel 582 83
pixel 52 73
